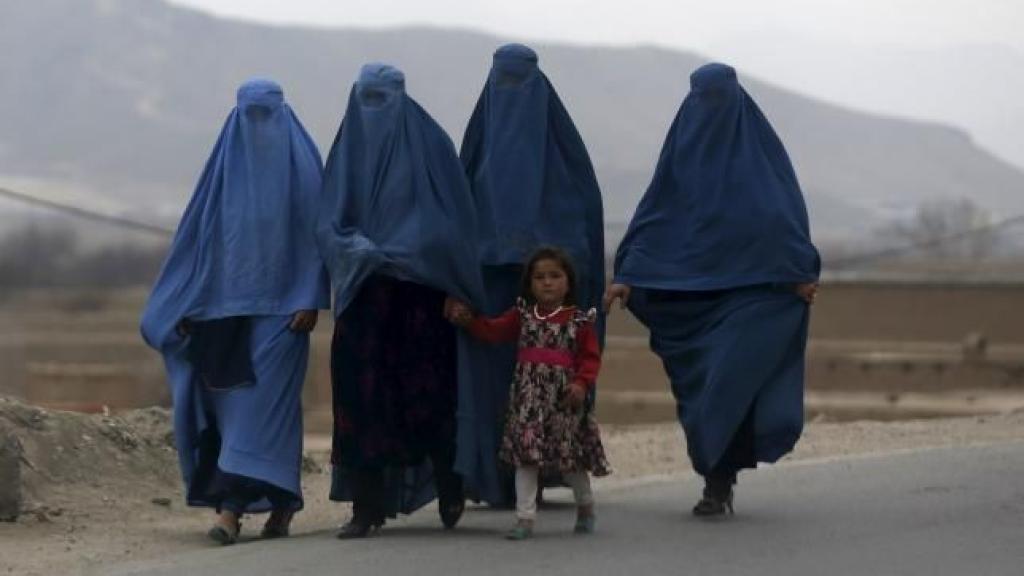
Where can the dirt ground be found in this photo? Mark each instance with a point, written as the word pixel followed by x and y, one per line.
pixel 100 489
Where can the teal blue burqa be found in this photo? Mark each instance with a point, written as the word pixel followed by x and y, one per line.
pixel 243 261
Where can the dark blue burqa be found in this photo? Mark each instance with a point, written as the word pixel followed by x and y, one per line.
pixel 396 203
pixel 243 261
pixel 713 251
pixel 533 184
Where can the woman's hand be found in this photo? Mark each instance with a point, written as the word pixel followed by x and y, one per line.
pixel 184 327
pixel 449 303
pixel 457 312
pixel 807 291
pixel 615 292
pixel 575 397
pixel 303 321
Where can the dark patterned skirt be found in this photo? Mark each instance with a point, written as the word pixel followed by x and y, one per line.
pixel 393 364
pixel 539 432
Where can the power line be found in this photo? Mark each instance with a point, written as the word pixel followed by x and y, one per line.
pixel 833 264
pixel 88 214
pixel 847 262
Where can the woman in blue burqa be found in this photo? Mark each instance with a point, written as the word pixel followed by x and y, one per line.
pixel 397 231
pixel 533 185
pixel 232 309
pixel 718 264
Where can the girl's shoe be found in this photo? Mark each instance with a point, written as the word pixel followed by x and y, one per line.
pixel 357 528
pixel 714 504
pixel 224 534
pixel 521 531
pixel 277 526
pixel 585 523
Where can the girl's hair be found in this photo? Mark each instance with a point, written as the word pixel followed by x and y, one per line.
pixel 561 257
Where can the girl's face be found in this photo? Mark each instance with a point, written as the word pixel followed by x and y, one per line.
pixel 549 283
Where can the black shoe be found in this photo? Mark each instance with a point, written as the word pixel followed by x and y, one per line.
pixel 356 528
pixel 451 512
pixel 277 526
pixel 714 503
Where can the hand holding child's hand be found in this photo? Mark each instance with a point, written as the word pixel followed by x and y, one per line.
pixel 457 312
pixel 462 315
pixel 575 397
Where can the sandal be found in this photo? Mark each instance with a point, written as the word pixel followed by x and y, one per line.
pixel 224 535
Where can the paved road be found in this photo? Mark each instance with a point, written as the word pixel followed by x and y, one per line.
pixel 947 511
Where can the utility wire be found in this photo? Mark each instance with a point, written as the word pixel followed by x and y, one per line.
pixel 88 214
pixel 834 264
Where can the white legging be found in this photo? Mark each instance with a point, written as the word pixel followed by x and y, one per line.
pixel 526 490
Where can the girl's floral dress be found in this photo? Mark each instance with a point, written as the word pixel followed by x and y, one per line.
pixel 554 353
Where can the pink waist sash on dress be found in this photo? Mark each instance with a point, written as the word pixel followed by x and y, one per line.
pixel 546 356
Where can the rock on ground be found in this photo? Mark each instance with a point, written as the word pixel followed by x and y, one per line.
pixel 10 475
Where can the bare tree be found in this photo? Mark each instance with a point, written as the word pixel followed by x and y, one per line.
pixel 37 256
pixel 949 228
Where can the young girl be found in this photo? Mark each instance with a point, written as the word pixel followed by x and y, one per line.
pixel 549 428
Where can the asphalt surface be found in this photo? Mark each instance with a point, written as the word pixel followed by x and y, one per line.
pixel 940 511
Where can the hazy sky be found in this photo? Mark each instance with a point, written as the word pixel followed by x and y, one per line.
pixel 692 24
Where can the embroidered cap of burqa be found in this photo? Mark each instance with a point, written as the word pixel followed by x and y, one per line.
pixel 715 243
pixel 396 202
pixel 533 184
pixel 245 247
